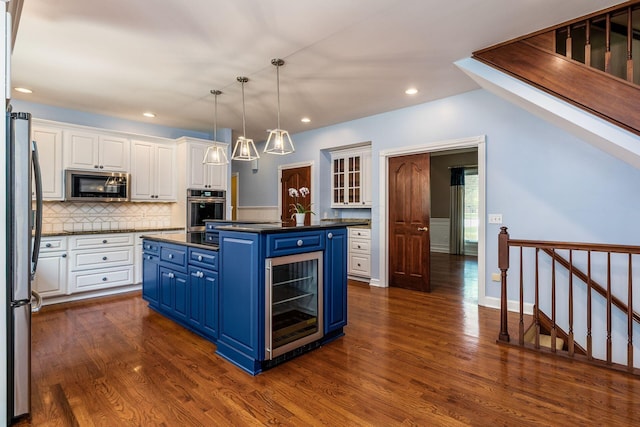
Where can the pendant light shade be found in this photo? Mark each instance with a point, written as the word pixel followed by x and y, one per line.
pixel 279 141
pixel 244 149
pixel 216 153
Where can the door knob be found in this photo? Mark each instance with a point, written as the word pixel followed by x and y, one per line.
pixel 423 228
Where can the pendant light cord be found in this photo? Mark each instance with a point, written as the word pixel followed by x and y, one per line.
pixel 244 131
pixel 278 89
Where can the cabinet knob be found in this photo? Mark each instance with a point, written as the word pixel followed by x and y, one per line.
pixel 104 241
pixel 170 256
pixel 104 258
pixel 330 236
pixel 199 257
pixel 104 279
pixel 148 256
pixel 64 255
pixel 359 247
pixel 101 167
pixel 358 264
pixel 171 275
pixel 300 242
pixel 48 245
pixel 95 166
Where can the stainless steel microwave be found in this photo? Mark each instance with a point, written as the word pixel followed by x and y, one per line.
pixel 90 186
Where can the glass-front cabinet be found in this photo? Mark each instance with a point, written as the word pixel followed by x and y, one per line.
pixel 351 178
pixel 293 302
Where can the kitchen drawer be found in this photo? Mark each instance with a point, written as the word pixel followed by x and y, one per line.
pixel 203 258
pixel 359 233
pixel 288 244
pixel 50 244
pixel 360 265
pixel 101 258
pixel 151 246
pixel 174 255
pixel 357 245
pixel 100 240
pixel 80 281
pixel 211 226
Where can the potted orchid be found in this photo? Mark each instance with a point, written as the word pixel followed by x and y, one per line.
pixel 299 209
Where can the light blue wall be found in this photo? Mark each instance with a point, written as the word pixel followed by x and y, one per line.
pixel 65 115
pixel 547 184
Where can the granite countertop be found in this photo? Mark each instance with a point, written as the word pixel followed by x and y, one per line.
pixel 269 228
pixel 189 239
pixel 132 230
pixel 237 221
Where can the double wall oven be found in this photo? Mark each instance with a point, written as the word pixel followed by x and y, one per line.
pixel 203 205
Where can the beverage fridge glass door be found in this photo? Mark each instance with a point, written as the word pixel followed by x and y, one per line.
pixel 293 302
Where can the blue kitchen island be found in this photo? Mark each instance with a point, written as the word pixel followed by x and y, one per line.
pixel 263 293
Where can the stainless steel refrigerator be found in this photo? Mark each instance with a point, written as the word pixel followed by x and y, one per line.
pixel 24 225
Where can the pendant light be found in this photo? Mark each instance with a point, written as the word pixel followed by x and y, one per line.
pixel 216 153
pixel 279 141
pixel 245 149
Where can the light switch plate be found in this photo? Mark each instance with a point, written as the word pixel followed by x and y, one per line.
pixel 495 218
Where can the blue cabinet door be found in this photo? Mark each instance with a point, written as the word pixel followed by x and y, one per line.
pixel 166 289
pixel 181 295
pixel 150 281
pixel 335 280
pixel 210 304
pixel 195 297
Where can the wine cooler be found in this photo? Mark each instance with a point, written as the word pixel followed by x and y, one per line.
pixel 293 302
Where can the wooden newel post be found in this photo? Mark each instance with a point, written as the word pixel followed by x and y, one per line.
pixel 503 265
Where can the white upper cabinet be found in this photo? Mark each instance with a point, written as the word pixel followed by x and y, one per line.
pixel 199 175
pixel 153 171
pixel 95 151
pixel 351 178
pixel 49 142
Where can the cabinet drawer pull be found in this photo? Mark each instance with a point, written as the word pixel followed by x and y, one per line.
pixel 330 236
pixel 104 279
pixel 104 258
pixel 104 241
pixel 64 255
pixel 170 256
pixel 48 245
pixel 359 265
pixel 171 275
pixel 199 257
pixel 359 247
pixel 300 242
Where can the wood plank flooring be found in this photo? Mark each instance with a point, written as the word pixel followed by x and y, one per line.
pixel 408 358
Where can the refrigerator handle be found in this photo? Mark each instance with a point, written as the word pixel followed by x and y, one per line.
pixel 35 307
pixel 38 229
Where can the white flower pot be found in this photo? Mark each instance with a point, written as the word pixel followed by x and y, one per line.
pixel 299 219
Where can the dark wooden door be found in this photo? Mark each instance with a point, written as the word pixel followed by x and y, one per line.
pixel 294 178
pixel 409 210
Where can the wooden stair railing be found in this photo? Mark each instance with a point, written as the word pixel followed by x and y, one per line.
pixel 594 76
pixel 602 266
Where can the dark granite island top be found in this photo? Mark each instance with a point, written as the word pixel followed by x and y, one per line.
pixel 269 228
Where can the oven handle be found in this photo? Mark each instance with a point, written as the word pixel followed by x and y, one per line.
pixel 205 199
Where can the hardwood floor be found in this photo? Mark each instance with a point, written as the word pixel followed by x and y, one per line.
pixel 408 358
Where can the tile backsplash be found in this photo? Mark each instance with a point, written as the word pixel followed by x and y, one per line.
pixel 66 217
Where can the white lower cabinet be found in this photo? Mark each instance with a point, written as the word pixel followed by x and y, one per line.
pixel 359 262
pixel 51 273
pixel 100 261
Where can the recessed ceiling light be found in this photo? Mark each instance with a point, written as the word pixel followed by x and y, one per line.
pixel 23 90
pixel 305 120
pixel 411 91
pixel 149 114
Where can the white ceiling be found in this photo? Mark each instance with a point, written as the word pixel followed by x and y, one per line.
pixel 345 59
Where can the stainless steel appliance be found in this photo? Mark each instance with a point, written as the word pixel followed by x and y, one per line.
pixel 90 186
pixel 22 256
pixel 204 204
pixel 293 302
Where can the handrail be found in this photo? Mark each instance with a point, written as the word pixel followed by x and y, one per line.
pixel 595 320
pixel 594 285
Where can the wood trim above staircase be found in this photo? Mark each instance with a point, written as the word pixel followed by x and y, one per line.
pixel 610 98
